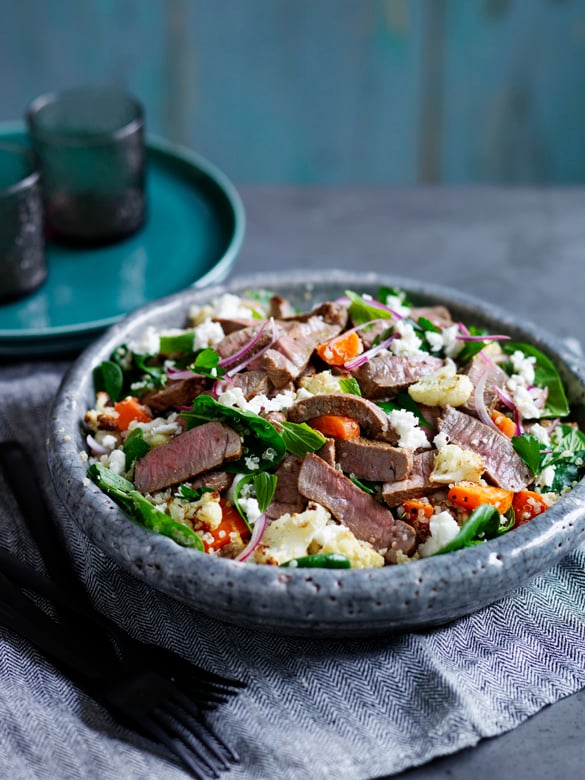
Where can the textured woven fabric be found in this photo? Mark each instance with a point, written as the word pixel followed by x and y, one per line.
pixel 314 709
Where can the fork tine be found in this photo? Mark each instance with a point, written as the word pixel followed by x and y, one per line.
pixel 197 720
pixel 190 755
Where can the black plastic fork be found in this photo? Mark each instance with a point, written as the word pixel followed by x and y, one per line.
pixel 152 690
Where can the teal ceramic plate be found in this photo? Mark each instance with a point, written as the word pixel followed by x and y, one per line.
pixel 192 236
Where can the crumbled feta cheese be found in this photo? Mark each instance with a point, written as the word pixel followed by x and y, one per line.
pixel 250 508
pixel 234 396
pixel 145 343
pixel 454 464
pixel 523 400
pixel 115 461
pixel 408 342
pixel 441 440
pixel 444 529
pixel 541 433
pixel 230 307
pixel 545 478
pixel 310 532
pixel 396 303
pixel 446 340
pixel 158 430
pixel 410 434
pixel 442 387
pixel 523 366
pixel 207 334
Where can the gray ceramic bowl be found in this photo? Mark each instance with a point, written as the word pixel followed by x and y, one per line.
pixel 315 602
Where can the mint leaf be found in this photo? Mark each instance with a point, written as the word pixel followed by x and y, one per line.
pixel 300 438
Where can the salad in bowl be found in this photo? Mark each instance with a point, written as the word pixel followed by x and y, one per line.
pixel 362 431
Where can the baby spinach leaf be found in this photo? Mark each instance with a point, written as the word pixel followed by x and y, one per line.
pixel 109 378
pixel 300 438
pixel 193 494
pixel 135 447
pixel 545 375
pixel 263 447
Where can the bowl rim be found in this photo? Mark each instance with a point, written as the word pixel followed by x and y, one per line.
pixel 525 552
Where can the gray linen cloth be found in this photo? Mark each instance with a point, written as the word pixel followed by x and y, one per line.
pixel 314 709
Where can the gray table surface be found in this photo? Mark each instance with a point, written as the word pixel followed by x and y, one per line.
pixel 523 249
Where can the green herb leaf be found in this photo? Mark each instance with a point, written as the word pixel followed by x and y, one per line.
pixel 404 401
pixel 529 448
pixel 483 523
pixel 265 487
pixel 394 292
pixel 545 375
pixel 372 488
pixel 206 363
pixel 350 385
pixel 135 447
pixel 156 374
pixel 193 494
pixel 472 348
pixel 319 561
pixel 109 378
pixel 361 311
pixel 427 325
pixel 263 447
pixel 300 438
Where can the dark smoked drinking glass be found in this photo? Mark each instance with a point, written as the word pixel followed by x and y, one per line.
pixel 22 247
pixel 90 145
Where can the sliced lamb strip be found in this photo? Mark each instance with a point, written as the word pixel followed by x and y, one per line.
pixel 287 499
pixel 216 480
pixel 327 452
pixel 417 483
pixel 176 393
pixel 373 460
pixel 186 456
pixel 229 326
pixel 438 315
pixel 252 383
pixel 279 308
pixel 330 312
pixel 496 377
pixel 503 465
pixel 289 356
pixel 238 339
pixel 363 515
pixel 385 375
pixel 372 420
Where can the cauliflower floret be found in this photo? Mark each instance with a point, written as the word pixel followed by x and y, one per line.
pixel 443 529
pixel 310 532
pixel 204 511
pixel 323 382
pixel 454 464
pixel 443 387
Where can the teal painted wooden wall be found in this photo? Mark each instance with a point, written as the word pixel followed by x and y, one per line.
pixel 327 91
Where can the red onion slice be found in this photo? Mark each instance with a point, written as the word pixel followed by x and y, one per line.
pixel 260 527
pixel 95 446
pixel 365 356
pixel 245 350
pixel 181 373
pixel 479 402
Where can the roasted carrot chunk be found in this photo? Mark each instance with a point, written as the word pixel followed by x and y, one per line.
pixel 130 409
pixel 469 496
pixel 505 424
pixel 528 504
pixel 336 425
pixel 414 508
pixel 340 349
pixel 231 523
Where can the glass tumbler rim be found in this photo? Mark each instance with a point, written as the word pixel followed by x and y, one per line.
pixel 26 181
pixel 136 122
